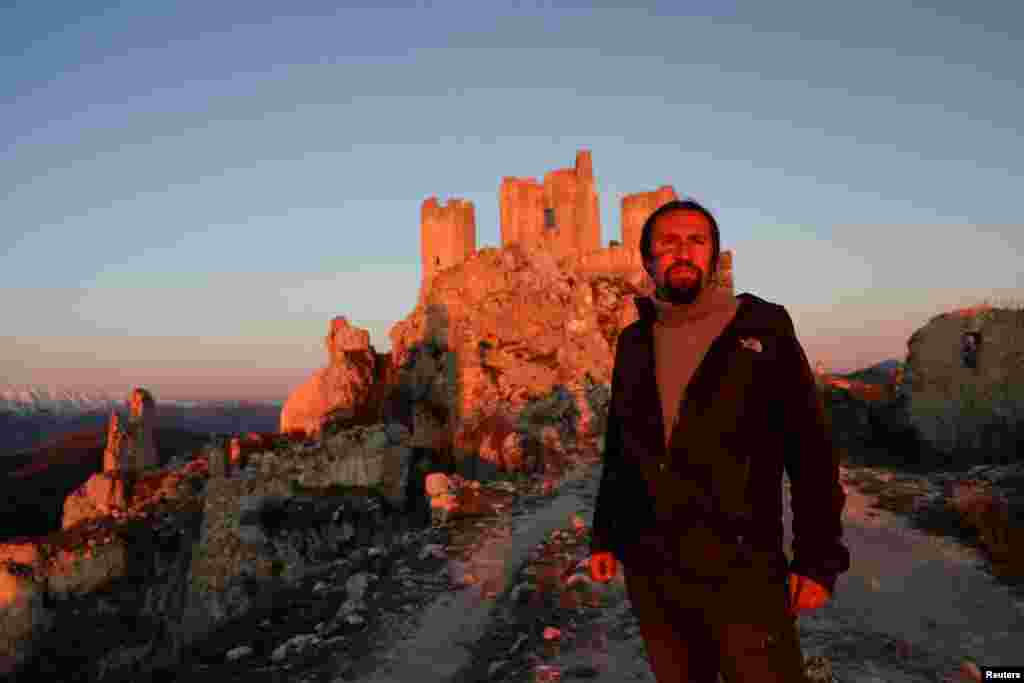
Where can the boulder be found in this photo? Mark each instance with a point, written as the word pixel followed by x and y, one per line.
pixel 341 391
pixel 959 404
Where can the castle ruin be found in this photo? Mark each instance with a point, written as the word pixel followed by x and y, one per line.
pixel 562 214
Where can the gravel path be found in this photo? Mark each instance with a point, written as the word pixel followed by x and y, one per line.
pixel 508 599
pixel 912 607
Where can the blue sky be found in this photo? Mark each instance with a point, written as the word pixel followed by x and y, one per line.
pixel 190 191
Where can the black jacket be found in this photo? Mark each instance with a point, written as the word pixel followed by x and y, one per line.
pixel 744 417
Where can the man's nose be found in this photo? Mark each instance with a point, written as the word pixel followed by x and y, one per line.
pixel 680 248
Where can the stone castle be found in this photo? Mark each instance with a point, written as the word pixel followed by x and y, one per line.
pixel 561 215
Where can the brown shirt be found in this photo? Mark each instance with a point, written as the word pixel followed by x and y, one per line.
pixel 682 335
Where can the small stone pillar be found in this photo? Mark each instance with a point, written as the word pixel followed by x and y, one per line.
pixel 218 460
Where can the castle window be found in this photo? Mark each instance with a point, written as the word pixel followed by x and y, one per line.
pixel 970 344
pixel 437 260
pixel 549 218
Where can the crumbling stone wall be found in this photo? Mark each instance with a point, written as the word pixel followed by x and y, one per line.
pixel 636 209
pixel 563 212
pixel 954 405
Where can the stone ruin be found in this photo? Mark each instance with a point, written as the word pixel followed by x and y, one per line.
pixel 342 389
pixel 968 396
pixel 550 234
pixel 130 452
pixel 560 215
pixel 199 540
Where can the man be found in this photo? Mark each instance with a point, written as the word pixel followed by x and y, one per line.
pixel 712 397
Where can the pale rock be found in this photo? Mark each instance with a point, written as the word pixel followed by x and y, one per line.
pixel 340 391
pixel 356 585
pixel 436 484
pixel 101 495
pixel 239 652
pixel 294 645
pixel 951 406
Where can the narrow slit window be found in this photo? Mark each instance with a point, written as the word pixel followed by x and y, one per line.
pixel 970 345
pixel 549 218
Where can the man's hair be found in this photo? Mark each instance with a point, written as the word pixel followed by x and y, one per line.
pixel 679 205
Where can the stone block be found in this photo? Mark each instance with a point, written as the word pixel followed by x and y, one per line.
pixel 218 461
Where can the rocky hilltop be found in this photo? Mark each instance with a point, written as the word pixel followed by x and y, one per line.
pixel 505 366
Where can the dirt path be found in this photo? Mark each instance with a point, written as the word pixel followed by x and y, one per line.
pixel 912 608
pixel 507 599
pixel 907 587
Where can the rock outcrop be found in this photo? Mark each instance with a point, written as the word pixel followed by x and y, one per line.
pixel 509 342
pixel 132 448
pixel 340 391
pixel 966 396
pixel 195 546
pixel 130 452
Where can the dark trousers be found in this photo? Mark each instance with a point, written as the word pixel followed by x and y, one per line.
pixel 713 635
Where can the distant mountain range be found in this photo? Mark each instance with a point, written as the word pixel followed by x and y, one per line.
pixel 31 416
pixel 877 373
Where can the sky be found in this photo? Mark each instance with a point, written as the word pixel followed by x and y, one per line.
pixel 190 191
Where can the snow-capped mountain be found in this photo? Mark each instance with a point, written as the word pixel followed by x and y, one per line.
pixel 31 415
pixel 28 400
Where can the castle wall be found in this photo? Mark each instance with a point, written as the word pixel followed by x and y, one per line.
pixel 588 208
pixel 521 203
pixel 610 260
pixel 447 234
pixel 616 260
pixel 636 209
pixel 723 276
pixel 560 194
pixel 570 193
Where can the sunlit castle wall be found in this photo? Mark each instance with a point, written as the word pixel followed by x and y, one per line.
pixel 447 236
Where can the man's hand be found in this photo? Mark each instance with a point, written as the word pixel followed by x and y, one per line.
pixel 806 594
pixel 603 567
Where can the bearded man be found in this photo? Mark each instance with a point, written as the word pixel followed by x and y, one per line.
pixel 712 399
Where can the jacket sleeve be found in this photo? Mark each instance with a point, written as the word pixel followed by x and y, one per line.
pixel 812 464
pixel 603 536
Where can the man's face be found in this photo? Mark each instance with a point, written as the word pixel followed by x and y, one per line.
pixel 681 249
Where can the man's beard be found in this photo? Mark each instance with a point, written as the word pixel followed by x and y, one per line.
pixel 684 293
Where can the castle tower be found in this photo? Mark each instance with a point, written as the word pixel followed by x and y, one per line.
pixel 521 202
pixel 723 276
pixel 636 209
pixel 588 208
pixel 563 213
pixel 447 235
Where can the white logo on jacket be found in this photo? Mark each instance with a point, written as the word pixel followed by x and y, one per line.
pixel 751 343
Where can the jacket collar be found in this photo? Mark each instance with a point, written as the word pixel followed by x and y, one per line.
pixel 645 307
pixel 648 309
